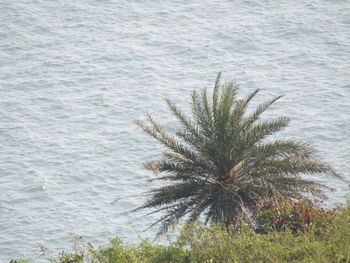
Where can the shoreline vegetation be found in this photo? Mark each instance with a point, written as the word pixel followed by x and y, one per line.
pixel 312 235
pixel 242 196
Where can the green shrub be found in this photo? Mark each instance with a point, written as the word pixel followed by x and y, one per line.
pixel 326 239
pixel 279 214
pixel 69 258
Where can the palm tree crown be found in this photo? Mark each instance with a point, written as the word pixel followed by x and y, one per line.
pixel 219 162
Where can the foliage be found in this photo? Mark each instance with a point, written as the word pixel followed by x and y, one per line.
pixel 69 258
pixel 217 245
pixel 219 163
pixel 74 257
pixel 279 214
pixel 115 252
pixel 328 242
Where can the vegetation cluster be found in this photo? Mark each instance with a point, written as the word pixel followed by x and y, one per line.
pixel 308 237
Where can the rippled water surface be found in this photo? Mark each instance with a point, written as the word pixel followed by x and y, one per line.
pixel 75 74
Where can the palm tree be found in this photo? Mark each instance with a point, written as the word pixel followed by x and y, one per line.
pixel 219 163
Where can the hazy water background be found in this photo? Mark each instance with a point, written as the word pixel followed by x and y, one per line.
pixel 75 74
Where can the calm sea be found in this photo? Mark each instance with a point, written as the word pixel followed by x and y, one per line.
pixel 74 75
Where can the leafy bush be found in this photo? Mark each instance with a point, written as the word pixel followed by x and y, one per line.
pixel 326 239
pixel 279 214
pixel 69 258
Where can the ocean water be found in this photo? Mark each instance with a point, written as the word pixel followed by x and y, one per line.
pixel 74 75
